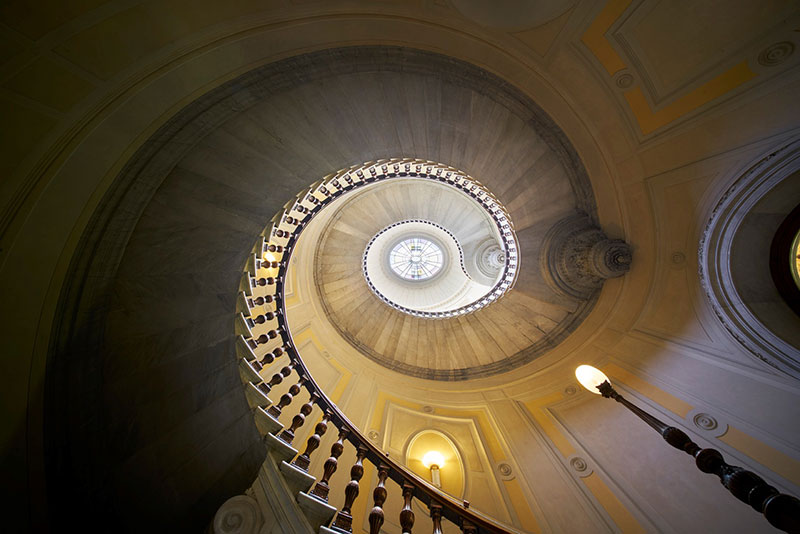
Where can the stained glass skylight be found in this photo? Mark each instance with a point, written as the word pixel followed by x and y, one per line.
pixel 416 258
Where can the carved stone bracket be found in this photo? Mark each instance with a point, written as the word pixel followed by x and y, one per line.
pixel 577 257
pixel 239 515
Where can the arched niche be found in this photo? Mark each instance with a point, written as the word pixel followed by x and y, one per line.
pixel 735 262
pixel 452 473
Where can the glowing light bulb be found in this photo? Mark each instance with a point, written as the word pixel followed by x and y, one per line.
pixel 433 458
pixel 590 377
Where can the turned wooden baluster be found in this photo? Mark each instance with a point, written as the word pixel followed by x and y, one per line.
pixel 276 379
pixel 262 282
pixel 321 488
pixel 260 319
pixel 436 516
pixel 259 301
pixel 297 421
pixel 264 338
pixel 379 497
pixel 344 519
pixel 468 528
pixel 286 399
pixel 269 357
pixel 304 460
pixel 407 514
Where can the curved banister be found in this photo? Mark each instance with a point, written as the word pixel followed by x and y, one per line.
pixel 283 232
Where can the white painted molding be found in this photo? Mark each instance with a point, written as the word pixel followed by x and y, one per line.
pixel 709 425
pixel 715 250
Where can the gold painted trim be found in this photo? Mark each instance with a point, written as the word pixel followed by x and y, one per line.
pixel 780 463
pixel 618 512
pixel 308 335
pixel 621 516
pixel 536 409
pixel 521 506
pixel 595 36
pixel 659 396
pixel 649 119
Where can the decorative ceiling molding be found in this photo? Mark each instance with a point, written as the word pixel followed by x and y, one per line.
pixel 620 38
pixel 717 273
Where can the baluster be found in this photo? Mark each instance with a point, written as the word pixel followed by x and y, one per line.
pixel 264 338
pixel 276 379
pixel 259 301
pixel 321 488
pixel 262 282
pixel 436 516
pixel 286 399
pixel 344 519
pixel 407 514
pixel 468 528
pixel 260 319
pixel 379 497
pixel 270 356
pixel 304 460
pixel 297 421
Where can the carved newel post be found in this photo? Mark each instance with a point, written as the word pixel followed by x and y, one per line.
pixel 577 257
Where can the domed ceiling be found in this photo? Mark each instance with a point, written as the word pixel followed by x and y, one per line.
pixel 466 118
pixel 434 321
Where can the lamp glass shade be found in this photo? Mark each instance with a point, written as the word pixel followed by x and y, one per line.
pixel 590 377
pixel 433 458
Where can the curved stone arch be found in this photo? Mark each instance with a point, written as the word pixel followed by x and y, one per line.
pixel 725 235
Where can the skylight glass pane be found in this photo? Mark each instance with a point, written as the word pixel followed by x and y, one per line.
pixel 416 258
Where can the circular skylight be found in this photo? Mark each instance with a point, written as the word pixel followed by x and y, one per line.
pixel 416 258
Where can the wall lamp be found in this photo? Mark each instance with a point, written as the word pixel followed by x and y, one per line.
pixel 434 460
pixel 781 510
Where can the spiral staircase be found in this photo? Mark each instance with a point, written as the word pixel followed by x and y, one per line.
pixel 265 343
pixel 268 355
pixel 148 143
